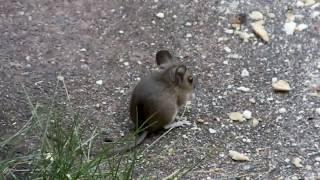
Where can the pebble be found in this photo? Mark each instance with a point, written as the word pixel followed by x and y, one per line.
pixel 126 63
pixel 244 35
pixel 282 110
pixel 301 27
pixel 256 15
pixel 188 24
pixel 244 89
pixel 60 78
pixel 244 73
pixel 315 14
pixel 212 131
pixel 200 120
pixel 160 15
pixel 281 85
pixel 188 35
pixel 318 111
pixel 99 82
pixel 297 162
pixel 236 116
pixel 247 114
pixel 121 32
pixel 255 122
pixel 238 156
pixel 289 27
pixel 227 49
pixel 317 159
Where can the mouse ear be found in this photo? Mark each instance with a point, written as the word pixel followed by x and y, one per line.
pixel 180 71
pixel 163 57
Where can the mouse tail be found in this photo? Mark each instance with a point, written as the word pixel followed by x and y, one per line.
pixel 126 148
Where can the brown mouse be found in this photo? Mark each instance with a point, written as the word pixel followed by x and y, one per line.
pixel 156 99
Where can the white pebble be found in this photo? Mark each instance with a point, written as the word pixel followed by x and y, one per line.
pixel 174 16
pixel 256 15
pixel 60 78
pixel 160 15
pixel 252 100
pixel 244 73
pixel 282 110
pixel 244 89
pixel 318 111
pixel 274 79
pixel 247 114
pixel 212 131
pixel 188 24
pixel 301 27
pixel 126 63
pixel 188 35
pixel 289 27
pixel 318 159
pixel 99 82
pixel 121 32
pixel 225 62
pixel 315 14
pixel 227 49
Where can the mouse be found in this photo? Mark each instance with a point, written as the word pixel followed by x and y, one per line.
pixel 157 98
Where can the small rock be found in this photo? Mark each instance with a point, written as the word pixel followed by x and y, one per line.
pixel 272 15
pixel 126 63
pixel 289 27
pixel 238 156
pixel 99 82
pixel 121 32
pixel 98 106
pixel 258 28
pixel 83 50
pixel 256 15
pixel 244 35
pixel 318 111
pixel 200 120
pixel 188 35
pixel 252 100
pixel 255 122
pixel 236 116
pixel 308 167
pixel 212 131
pixel 244 73
pixel 228 31
pixel 188 24
pixel 244 89
pixel 297 162
pixel 227 49
pixel 160 15
pixel 60 78
pixel 282 110
pixel 281 85
pixel 28 58
pixel 247 114
pixel 301 27
pixel 174 16
pixel 315 14
pixel 317 159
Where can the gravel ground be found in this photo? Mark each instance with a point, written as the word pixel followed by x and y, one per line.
pixel 115 41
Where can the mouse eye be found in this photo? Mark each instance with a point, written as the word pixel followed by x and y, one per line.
pixel 190 79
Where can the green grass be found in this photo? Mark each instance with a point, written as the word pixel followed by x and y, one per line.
pixel 62 151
